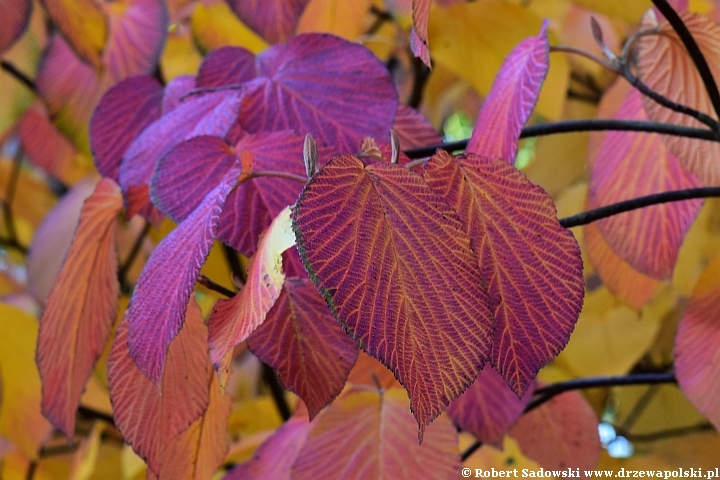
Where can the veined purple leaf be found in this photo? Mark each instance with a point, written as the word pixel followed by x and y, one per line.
pixel 157 308
pixel 530 264
pixel 203 114
pixel 414 129
pixel 633 164
pixel 123 112
pixel 175 90
pixel 274 20
pixel 419 33
pixel 399 273
pixel 231 321
pixel 488 407
pixel 512 99
pixel 335 90
pixel 15 15
pixel 305 344
pixel 226 66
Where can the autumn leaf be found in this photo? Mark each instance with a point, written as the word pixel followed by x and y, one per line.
pixel 15 15
pixel 226 66
pixel 215 26
pixel 530 264
pixel 403 279
pixel 413 129
pixel 274 20
pixel 419 33
pixel 81 308
pixel 344 18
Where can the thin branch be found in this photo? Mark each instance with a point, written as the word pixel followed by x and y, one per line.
pixel 7 202
pixel 570 126
pixel 584 53
pixel 209 284
pixel 19 76
pixel 278 174
pixel 234 263
pixel 421 73
pixel 277 391
pixel 381 16
pixel 640 407
pixel 590 216
pixel 694 50
pixel 470 450
pixel 665 434
pixel 93 414
pixel 125 267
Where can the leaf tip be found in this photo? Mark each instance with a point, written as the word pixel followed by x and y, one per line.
pixel 310 156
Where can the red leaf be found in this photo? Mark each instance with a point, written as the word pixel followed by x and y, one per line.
pixel 530 264
pixel 697 357
pixel 562 433
pixel 369 433
pixel 633 165
pixel 414 129
pixel 232 320
pixel 226 66
pixel 393 261
pixel 666 67
pixel 304 343
pixel 207 114
pixel 419 33
pixel 122 113
pixel 275 457
pixel 150 418
pixel 15 15
pixel 47 147
pixel 512 99
pixel 488 408
pixel 198 452
pixel 81 308
pixel 274 20
pixel 335 90
pixel 157 308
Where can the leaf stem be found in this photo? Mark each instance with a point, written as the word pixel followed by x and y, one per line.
pixel 590 216
pixel 278 174
pixel 694 50
pixel 20 76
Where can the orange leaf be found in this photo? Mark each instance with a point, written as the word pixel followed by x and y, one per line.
pixel 81 308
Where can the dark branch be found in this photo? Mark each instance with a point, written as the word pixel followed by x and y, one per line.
pixel 125 267
pixel 209 284
pixel 664 434
pixel 590 216
pixel 20 76
pixel 421 73
pixel 277 391
pixel 570 126
pixel 93 414
pixel 692 47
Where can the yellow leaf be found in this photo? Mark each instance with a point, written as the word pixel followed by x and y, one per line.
pixel 629 12
pixel 476 54
pixel 21 421
pixel 344 18
pixel 215 25
pixel 487 457
pixel 253 416
pixel 86 456
pixel 180 57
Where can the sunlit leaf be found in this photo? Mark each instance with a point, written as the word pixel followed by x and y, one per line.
pixel 15 15
pixel 369 371
pixel 157 308
pixel 369 433
pixel 696 354
pixel 215 26
pixel 232 320
pixel 84 24
pixel 530 264
pixel 666 67
pixel 344 18
pixel 562 433
pixel 488 407
pixel 21 421
pixel 335 90
pixel 150 417
pixel 274 20
pixel 399 273
pixel 304 343
pixel 122 113
pixel 631 165
pixel 419 33
pixel 81 308
pixel 512 99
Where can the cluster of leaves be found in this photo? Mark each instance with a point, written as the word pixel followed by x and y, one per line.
pixel 422 282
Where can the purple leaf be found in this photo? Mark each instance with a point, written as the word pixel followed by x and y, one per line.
pixel 15 15
pixel 175 90
pixel 226 66
pixel 157 308
pixel 414 129
pixel 512 99
pixel 274 20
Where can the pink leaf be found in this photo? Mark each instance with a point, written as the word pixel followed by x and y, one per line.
pixel 697 357
pixel 530 264
pixel 81 308
pixel 488 408
pixel 632 165
pixel 274 20
pixel 157 308
pixel 150 418
pixel 232 320
pixel 369 433
pixel 226 66
pixel 15 15
pixel 419 33
pixel 395 265
pixel 121 115
pixel 414 129
pixel 512 99
pixel 206 114
pixel 336 91
pixel 560 434
pixel 304 343
pixel 46 146
pixel 175 90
